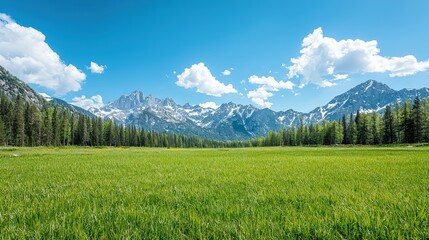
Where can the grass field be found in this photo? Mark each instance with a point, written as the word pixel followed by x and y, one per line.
pixel 267 193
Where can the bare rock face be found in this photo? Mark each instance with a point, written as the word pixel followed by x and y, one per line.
pixel 11 86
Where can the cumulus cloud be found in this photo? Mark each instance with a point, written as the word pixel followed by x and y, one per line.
pixel 199 76
pixel 260 97
pixel 226 72
pixel 270 83
pixel 24 52
pixel 341 77
pixel 95 68
pixel 212 105
pixel 267 85
pixel 324 60
pixel 87 103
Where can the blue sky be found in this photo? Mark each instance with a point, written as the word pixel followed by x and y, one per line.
pixel 148 45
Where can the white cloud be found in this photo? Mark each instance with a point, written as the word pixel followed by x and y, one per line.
pixel 270 83
pixel 199 76
pixel 212 105
pixel 267 85
pixel 324 60
pixel 5 18
pixel 226 72
pixel 95 68
pixel 87 103
pixel 24 52
pixel 260 97
pixel 340 77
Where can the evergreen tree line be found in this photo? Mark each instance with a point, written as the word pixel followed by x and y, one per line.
pixel 406 123
pixel 25 124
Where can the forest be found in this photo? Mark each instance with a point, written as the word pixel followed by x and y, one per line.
pixel 399 124
pixel 24 124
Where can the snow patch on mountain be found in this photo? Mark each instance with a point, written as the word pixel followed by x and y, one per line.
pixel 46 96
pixel 369 85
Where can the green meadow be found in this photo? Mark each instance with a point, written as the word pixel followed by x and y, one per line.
pixel 252 193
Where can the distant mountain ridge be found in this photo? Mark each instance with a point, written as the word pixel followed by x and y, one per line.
pixel 235 121
pixel 229 121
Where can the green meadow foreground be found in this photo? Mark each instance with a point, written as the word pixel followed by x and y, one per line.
pixel 214 193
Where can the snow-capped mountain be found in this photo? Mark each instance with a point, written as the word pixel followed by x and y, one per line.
pixel 236 121
pixel 367 97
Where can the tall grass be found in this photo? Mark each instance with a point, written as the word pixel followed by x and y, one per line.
pixel 267 193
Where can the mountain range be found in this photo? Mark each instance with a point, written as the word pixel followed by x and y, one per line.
pixel 236 121
pixel 229 121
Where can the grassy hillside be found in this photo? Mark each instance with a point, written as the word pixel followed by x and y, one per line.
pixel 252 193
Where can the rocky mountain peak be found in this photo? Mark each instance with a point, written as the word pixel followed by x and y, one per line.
pixel 126 102
pixel 370 87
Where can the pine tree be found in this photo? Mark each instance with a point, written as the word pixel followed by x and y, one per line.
pixel 109 132
pixel 358 128
pixel 312 134
pixel 407 123
pixel 89 131
pixel 398 123
pixel 306 135
pixel 425 107
pixel 389 135
pixel 300 132
pixel 323 132
pixel 122 139
pixel 47 128
pixel 351 130
pixel 65 129
pixel 33 125
pixel 336 132
pixel 2 132
pixel 363 130
pixel 82 136
pixel 346 138
pixel 72 129
pixel 56 130
pixel 95 141
pixel 100 131
pixel 6 112
pixel 18 122
pixel 375 129
pixel 417 118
